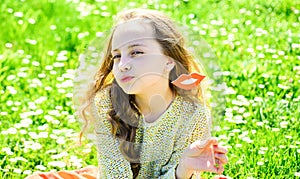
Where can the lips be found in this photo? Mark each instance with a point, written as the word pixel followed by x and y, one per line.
pixel 188 82
pixel 126 79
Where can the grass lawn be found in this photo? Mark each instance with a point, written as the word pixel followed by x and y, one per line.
pixel 257 44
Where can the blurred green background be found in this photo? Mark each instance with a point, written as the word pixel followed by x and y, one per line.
pixel 257 45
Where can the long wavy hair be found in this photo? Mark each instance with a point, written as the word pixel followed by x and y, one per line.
pixel 123 119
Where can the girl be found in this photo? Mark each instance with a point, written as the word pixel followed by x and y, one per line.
pixel 150 116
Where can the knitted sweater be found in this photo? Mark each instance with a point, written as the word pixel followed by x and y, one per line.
pixel 161 142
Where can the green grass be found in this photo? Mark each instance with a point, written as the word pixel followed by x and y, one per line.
pixel 257 45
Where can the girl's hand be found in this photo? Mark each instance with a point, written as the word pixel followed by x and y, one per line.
pixel 202 156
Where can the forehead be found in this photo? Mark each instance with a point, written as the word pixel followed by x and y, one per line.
pixel 131 31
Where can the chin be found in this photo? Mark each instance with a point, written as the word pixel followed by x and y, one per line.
pixel 130 90
pixel 138 86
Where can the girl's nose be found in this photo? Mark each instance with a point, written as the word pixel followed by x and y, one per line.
pixel 124 64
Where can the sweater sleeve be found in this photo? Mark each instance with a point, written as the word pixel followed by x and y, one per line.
pixel 111 162
pixel 196 128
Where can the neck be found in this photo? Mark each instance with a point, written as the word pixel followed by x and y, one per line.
pixel 154 103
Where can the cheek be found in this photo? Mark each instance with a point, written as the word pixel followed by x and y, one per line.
pixel 154 65
pixel 148 80
pixel 115 70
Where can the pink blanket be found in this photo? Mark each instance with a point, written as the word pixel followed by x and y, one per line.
pixel 89 172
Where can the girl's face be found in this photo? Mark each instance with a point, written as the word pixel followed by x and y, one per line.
pixel 139 63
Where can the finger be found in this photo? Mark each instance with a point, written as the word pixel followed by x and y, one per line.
pixel 200 144
pixel 214 141
pixel 220 169
pixel 220 149
pixel 221 158
pixel 197 148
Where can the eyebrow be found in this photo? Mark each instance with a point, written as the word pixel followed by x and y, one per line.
pixel 131 46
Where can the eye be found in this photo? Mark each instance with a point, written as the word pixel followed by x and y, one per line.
pixel 136 52
pixel 116 57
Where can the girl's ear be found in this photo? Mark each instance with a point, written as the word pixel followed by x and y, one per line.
pixel 170 64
